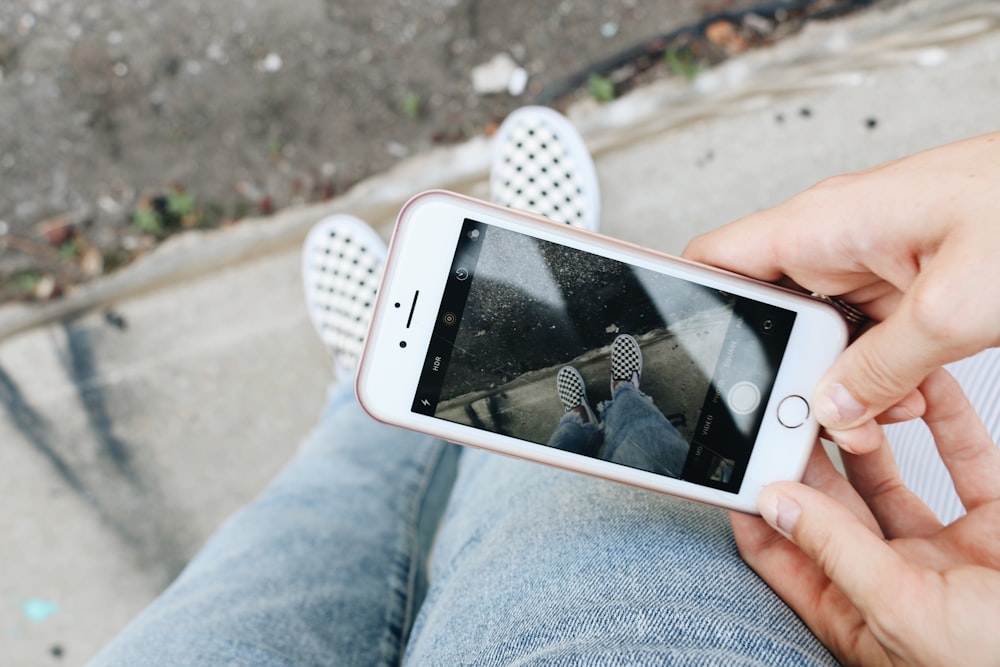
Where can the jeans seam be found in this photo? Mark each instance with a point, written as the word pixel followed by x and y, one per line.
pixel 414 546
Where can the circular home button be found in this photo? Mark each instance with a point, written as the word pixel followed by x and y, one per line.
pixel 793 411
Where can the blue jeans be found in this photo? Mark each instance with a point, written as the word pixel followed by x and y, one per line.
pixel 633 432
pixel 333 565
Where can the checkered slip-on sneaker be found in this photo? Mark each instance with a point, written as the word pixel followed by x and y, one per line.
pixel 573 391
pixel 626 361
pixel 540 164
pixel 342 261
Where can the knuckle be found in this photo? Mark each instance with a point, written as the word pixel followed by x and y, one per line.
pixel 932 313
pixel 947 318
pixel 938 326
pixel 884 380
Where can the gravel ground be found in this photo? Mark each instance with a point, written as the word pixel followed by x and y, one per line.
pixel 122 121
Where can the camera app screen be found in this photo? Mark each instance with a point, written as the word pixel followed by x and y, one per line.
pixel 572 350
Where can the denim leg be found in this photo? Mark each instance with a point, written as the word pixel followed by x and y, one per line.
pixel 637 434
pixel 539 566
pixel 573 434
pixel 323 568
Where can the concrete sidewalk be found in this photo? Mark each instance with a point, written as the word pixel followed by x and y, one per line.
pixel 140 412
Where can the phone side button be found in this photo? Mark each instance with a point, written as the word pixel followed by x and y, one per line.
pixel 793 411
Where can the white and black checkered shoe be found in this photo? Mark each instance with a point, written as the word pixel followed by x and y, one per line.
pixel 342 261
pixel 626 361
pixel 573 391
pixel 540 164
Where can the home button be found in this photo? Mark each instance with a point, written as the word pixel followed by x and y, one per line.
pixel 793 411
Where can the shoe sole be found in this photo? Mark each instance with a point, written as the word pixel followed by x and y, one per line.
pixel 541 164
pixel 342 260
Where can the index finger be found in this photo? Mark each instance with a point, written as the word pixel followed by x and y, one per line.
pixel 966 448
pixel 746 246
pixel 817 239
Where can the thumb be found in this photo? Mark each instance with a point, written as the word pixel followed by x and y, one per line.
pixel 876 372
pixel 853 557
pixel 945 314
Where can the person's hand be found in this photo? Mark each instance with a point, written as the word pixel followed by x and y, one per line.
pixel 870 569
pixel 914 244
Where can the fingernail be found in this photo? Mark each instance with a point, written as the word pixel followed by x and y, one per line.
pixel 782 514
pixel 837 407
pixel 788 514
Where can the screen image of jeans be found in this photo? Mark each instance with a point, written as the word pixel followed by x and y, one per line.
pixel 632 432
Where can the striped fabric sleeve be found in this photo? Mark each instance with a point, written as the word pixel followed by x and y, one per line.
pixel 911 442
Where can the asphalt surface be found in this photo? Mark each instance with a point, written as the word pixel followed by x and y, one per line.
pixel 111 110
pixel 142 411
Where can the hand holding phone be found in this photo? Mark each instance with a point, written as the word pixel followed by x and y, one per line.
pixel 505 331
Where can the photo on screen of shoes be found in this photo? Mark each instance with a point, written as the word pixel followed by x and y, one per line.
pixel 568 349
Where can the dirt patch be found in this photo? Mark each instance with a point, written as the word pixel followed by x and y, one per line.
pixel 124 121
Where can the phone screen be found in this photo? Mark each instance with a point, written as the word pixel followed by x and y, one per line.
pixel 516 309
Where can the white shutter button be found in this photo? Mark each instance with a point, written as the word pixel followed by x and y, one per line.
pixel 743 398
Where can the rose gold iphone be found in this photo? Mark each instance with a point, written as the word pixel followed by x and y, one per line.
pixel 505 331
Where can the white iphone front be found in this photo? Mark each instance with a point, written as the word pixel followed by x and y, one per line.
pixel 481 308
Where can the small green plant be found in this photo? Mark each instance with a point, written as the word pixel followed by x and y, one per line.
pixel 26 281
pixel 682 61
pixel 180 204
pixel 600 88
pixel 19 285
pixel 412 105
pixel 163 214
pixel 147 220
pixel 69 250
pixel 273 149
